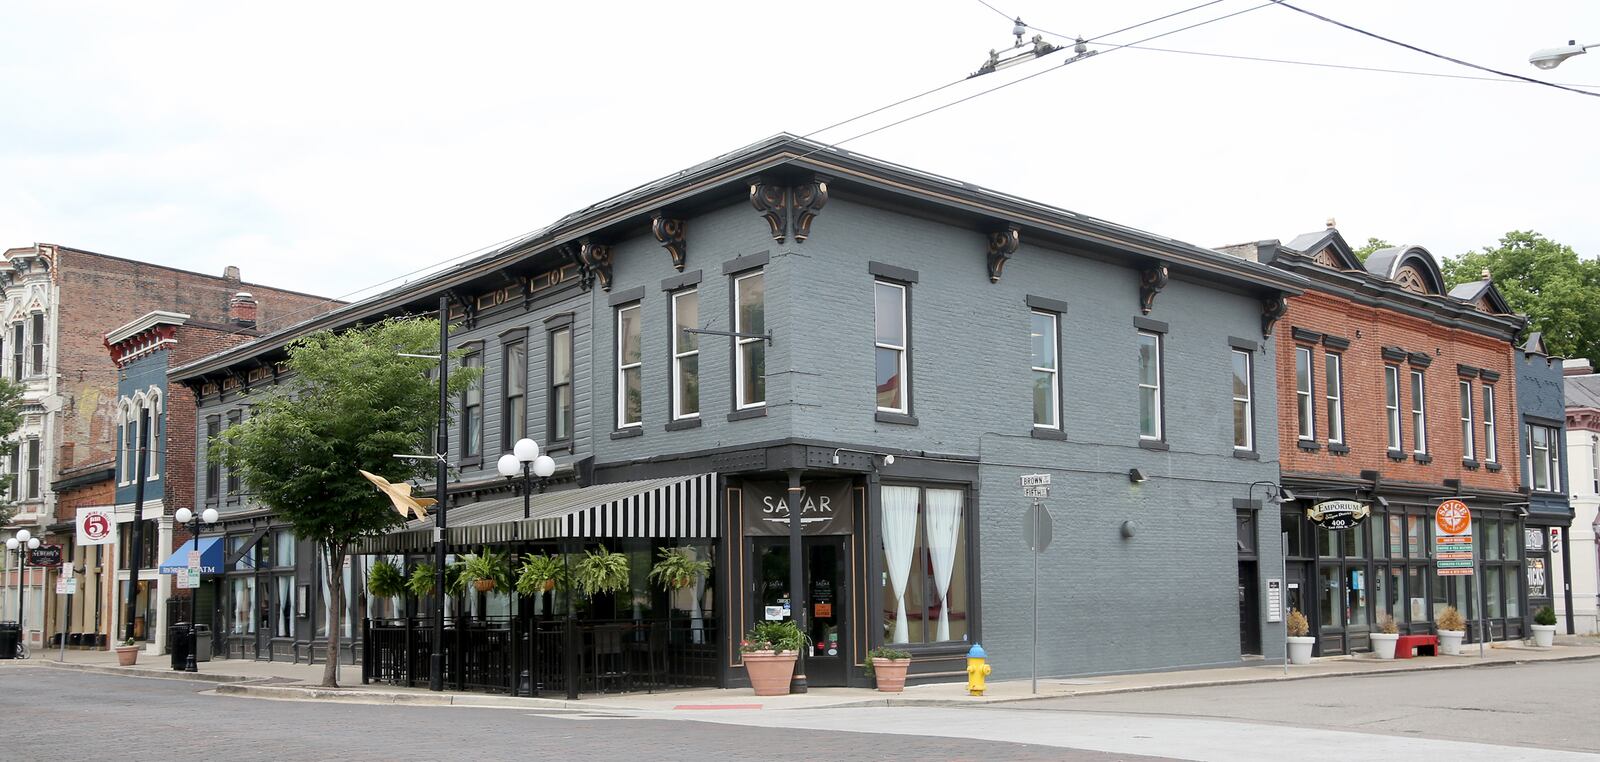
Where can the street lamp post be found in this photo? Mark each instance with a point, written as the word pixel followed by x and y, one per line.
pixel 22 543
pixel 525 456
pixel 1277 494
pixel 192 519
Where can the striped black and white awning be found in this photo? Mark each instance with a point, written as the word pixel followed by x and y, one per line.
pixel 674 507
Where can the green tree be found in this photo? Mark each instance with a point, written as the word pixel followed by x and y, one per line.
pixel 1547 281
pixel 10 421
pixel 1373 244
pixel 349 403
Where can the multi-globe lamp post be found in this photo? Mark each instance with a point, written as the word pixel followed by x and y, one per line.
pixel 526 463
pixel 192 520
pixel 23 542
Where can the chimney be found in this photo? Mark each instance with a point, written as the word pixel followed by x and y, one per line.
pixel 1486 274
pixel 1576 367
pixel 231 274
pixel 242 308
pixel 1332 224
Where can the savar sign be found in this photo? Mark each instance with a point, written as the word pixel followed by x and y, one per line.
pixel 1337 515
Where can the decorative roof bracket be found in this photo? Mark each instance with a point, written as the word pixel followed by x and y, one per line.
pixel 1151 280
pixel 1002 244
pixel 809 198
pixel 669 231
pixel 1272 310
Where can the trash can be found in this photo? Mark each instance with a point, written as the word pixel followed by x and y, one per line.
pixel 10 636
pixel 202 642
pixel 178 640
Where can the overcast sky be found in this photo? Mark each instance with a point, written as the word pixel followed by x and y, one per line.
pixel 327 147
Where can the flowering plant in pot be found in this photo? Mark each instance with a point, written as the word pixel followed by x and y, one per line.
pixel 1299 642
pixel 1544 627
pixel 770 650
pixel 1386 637
pixel 889 666
pixel 1452 628
pixel 128 653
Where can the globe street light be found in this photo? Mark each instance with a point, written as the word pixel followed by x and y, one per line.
pixel 190 518
pixel 1550 58
pixel 525 455
pixel 23 541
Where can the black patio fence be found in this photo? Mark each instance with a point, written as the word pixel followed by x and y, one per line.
pixel 528 657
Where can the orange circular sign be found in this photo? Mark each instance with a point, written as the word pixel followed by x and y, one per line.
pixel 1453 517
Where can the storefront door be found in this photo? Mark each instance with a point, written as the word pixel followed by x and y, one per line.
pixel 824 575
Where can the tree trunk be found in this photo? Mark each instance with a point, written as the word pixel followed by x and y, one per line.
pixel 330 670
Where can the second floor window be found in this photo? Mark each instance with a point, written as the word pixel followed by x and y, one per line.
pixel 234 418
pixel 16 472
pixel 1243 415
pixel 1333 391
pixel 33 468
pixel 213 466
pixel 1541 456
pixel 16 351
pixel 561 413
pixel 38 343
pixel 1469 428
pixel 1305 411
pixel 893 389
pixel 630 361
pixel 514 408
pixel 1419 414
pixel 1491 450
pixel 1046 375
pixel 472 411
pixel 750 318
pixel 1150 412
pixel 1391 404
pixel 685 354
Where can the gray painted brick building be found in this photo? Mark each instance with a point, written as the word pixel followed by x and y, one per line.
pixel 890 350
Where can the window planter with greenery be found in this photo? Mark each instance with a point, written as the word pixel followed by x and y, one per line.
pixel 1300 644
pixel 1544 627
pixel 889 666
pixel 541 574
pixel 678 569
pixel 601 571
pixel 487 571
pixel 770 650
pixel 128 653
pixel 1452 628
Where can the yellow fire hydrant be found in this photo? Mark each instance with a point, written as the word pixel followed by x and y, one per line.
pixel 978 670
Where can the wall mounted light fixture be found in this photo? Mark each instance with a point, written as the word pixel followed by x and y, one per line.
pixel 1136 476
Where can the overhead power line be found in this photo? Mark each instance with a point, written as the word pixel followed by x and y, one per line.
pixel 1348 67
pixel 1427 52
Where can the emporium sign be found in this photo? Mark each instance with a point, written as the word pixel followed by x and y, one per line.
pixel 1338 514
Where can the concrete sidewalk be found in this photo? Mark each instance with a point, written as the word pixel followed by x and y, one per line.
pixel 286 681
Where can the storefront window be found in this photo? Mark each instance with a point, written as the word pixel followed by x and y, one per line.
pixel 1356 591
pixel 924 547
pixel 1397 594
pixel 285 607
pixel 1513 609
pixel 244 595
pixel 1291 525
pixel 1491 539
pixel 247 558
pixel 1417 604
pixel 284 553
pixel 1463 594
pixel 1328 598
pixel 144 617
pixel 1327 543
pixel 1397 534
pixel 1492 594
pixel 1417 538
pixel 149 540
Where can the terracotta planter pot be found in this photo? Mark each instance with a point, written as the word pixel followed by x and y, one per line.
pixel 770 672
pixel 127 656
pixel 891 674
pixel 483 585
pixel 549 585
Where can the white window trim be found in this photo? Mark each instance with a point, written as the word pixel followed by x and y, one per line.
pixel 1333 393
pixel 151 460
pixel 1054 370
pixel 740 342
pixel 1160 413
pixel 1491 449
pixel 904 371
pixel 1305 408
pixel 1391 383
pixel 1594 462
pixel 622 368
pixel 1248 400
pixel 1419 413
pixel 678 356
pixel 1469 425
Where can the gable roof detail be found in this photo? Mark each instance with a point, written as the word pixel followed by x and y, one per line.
pixel 1412 267
pixel 1482 295
pixel 1327 248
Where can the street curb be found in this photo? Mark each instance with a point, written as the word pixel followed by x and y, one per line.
pixel 137 671
pixel 355 695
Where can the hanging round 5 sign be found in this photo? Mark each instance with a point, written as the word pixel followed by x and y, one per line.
pixel 1338 514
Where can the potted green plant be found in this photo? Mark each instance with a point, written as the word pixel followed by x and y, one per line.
pixel 601 572
pixel 487 571
pixel 1544 627
pixel 420 583
pixel 678 569
pixel 1452 627
pixel 540 574
pixel 889 666
pixel 385 581
pixel 1300 642
pixel 1386 637
pixel 770 650
pixel 128 653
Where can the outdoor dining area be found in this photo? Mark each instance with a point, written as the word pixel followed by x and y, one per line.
pixel 602 589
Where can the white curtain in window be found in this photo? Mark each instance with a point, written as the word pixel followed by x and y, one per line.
pixel 944 523
pixel 899 540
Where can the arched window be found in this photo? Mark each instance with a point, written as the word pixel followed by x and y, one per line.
pixel 152 420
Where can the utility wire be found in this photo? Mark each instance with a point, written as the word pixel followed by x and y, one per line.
pixel 1324 65
pixel 1071 38
pixel 1020 80
pixel 1426 52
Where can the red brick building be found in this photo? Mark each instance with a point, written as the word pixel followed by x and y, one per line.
pixel 56 305
pixel 1394 394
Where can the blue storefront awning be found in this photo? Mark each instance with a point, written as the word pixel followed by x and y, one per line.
pixel 210 557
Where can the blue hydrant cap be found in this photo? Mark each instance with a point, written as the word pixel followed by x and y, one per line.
pixel 977 652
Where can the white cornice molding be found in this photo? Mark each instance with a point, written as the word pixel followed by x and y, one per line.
pixel 146 322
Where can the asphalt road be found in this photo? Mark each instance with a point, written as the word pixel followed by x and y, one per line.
pixel 52 714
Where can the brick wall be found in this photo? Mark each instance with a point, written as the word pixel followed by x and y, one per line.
pixel 1369 329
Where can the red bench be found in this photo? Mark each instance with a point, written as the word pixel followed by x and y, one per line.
pixel 1408 643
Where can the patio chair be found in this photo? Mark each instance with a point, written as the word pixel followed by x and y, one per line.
pixel 649 654
pixel 609 658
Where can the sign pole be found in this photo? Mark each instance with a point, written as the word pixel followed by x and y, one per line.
pixel 66 571
pixel 1036 516
pixel 1483 619
pixel 1283 546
